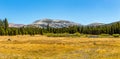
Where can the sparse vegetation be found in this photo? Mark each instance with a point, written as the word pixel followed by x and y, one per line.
pixel 42 47
pixel 63 35
pixel 105 35
pixel 116 35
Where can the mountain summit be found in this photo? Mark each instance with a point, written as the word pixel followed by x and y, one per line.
pixel 95 24
pixel 53 23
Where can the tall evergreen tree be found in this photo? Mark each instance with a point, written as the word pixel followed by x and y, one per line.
pixel 5 23
pixel 1 23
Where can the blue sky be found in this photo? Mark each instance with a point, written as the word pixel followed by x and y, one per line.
pixel 80 11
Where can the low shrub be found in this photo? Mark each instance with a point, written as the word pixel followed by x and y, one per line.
pixel 56 35
pixel 116 35
pixel 63 35
pixel 104 35
pixel 77 34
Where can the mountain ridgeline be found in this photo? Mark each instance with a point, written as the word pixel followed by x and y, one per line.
pixel 53 23
pixel 40 27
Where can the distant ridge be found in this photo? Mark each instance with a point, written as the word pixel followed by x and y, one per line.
pixel 95 24
pixel 55 23
pixel 16 25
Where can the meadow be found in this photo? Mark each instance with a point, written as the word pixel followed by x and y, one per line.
pixel 43 47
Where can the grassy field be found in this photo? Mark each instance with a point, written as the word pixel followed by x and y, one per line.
pixel 42 47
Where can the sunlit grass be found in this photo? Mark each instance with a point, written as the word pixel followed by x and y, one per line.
pixel 42 47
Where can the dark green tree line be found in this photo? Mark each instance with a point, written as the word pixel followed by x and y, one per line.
pixel 113 28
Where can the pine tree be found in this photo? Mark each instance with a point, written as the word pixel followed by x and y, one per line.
pixel 5 23
pixel 1 23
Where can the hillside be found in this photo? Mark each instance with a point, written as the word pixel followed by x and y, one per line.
pixel 53 23
pixel 56 23
pixel 16 25
pixel 95 24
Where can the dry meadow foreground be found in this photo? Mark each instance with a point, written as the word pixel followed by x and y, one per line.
pixel 42 47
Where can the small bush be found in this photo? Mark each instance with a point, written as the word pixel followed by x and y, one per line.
pixel 56 35
pixel 105 35
pixel 116 35
pixel 77 34
pixel 63 35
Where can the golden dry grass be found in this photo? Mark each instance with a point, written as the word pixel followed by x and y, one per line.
pixel 42 47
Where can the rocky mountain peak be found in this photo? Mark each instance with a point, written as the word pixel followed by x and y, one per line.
pixel 55 23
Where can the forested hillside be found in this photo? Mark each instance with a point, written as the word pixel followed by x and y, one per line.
pixel 112 28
